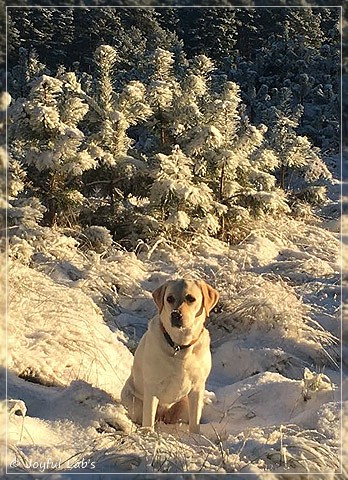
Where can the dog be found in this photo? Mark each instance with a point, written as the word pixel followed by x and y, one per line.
pixel 173 360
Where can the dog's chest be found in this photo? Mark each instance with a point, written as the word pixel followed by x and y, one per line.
pixel 176 379
pixel 174 382
pixel 171 377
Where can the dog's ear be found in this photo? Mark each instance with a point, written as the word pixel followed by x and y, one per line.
pixel 210 296
pixel 158 296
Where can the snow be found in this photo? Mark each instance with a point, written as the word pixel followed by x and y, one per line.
pixel 57 334
pixel 272 401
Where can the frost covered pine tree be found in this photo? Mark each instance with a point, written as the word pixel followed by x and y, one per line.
pixel 298 49
pixel 120 169
pixel 233 158
pixel 221 161
pixel 45 139
pixel 162 89
pixel 210 31
pixel 301 169
pixel 178 198
pixel 24 72
pixel 179 201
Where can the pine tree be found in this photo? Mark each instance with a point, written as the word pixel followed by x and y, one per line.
pixel 248 23
pixel 304 25
pixel 45 138
pixel 148 140
pixel 162 90
pixel 68 36
pixel 48 30
pixel 209 31
pixel 28 68
pixel 236 159
pixel 301 168
pixel 111 115
pixel 303 62
pixel 212 144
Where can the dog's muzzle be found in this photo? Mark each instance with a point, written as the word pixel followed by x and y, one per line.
pixel 176 319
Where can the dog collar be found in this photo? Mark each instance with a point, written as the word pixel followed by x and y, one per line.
pixel 177 348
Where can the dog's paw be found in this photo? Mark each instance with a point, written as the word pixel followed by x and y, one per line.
pixel 146 429
pixel 209 397
pixel 195 429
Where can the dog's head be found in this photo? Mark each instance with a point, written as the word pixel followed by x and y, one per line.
pixel 183 306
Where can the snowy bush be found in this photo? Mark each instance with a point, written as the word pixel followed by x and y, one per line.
pixel 24 215
pixel 44 136
pixel 300 163
pixel 220 168
pixel 178 139
pixel 97 238
pixel 20 250
pixel 267 305
pixel 179 200
pixel 17 177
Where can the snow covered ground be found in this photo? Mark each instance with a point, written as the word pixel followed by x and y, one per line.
pixel 273 396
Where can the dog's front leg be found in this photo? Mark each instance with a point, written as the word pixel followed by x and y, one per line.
pixel 195 398
pixel 150 404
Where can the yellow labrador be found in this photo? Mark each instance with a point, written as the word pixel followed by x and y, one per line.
pixel 173 359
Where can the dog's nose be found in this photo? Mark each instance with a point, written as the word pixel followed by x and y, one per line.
pixel 176 319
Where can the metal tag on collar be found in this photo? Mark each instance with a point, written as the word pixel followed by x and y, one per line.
pixel 176 349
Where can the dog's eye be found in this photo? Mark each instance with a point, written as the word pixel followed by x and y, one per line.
pixel 170 299
pixel 190 299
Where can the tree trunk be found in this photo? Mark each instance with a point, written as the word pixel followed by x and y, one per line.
pixel 282 176
pixel 221 183
pixel 111 193
pixel 221 189
pixel 222 223
pixel 51 213
pixel 163 137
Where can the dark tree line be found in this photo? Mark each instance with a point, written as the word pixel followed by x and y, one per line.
pixel 293 48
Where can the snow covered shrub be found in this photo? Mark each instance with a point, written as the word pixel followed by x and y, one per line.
pixel 20 249
pixel 28 68
pixel 267 305
pixel 203 141
pixel 24 215
pixel 301 168
pixel 97 238
pixel 113 113
pixel 17 178
pixel 161 87
pixel 179 200
pixel 44 137
pixel 120 172
pixel 288 448
pixel 172 154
